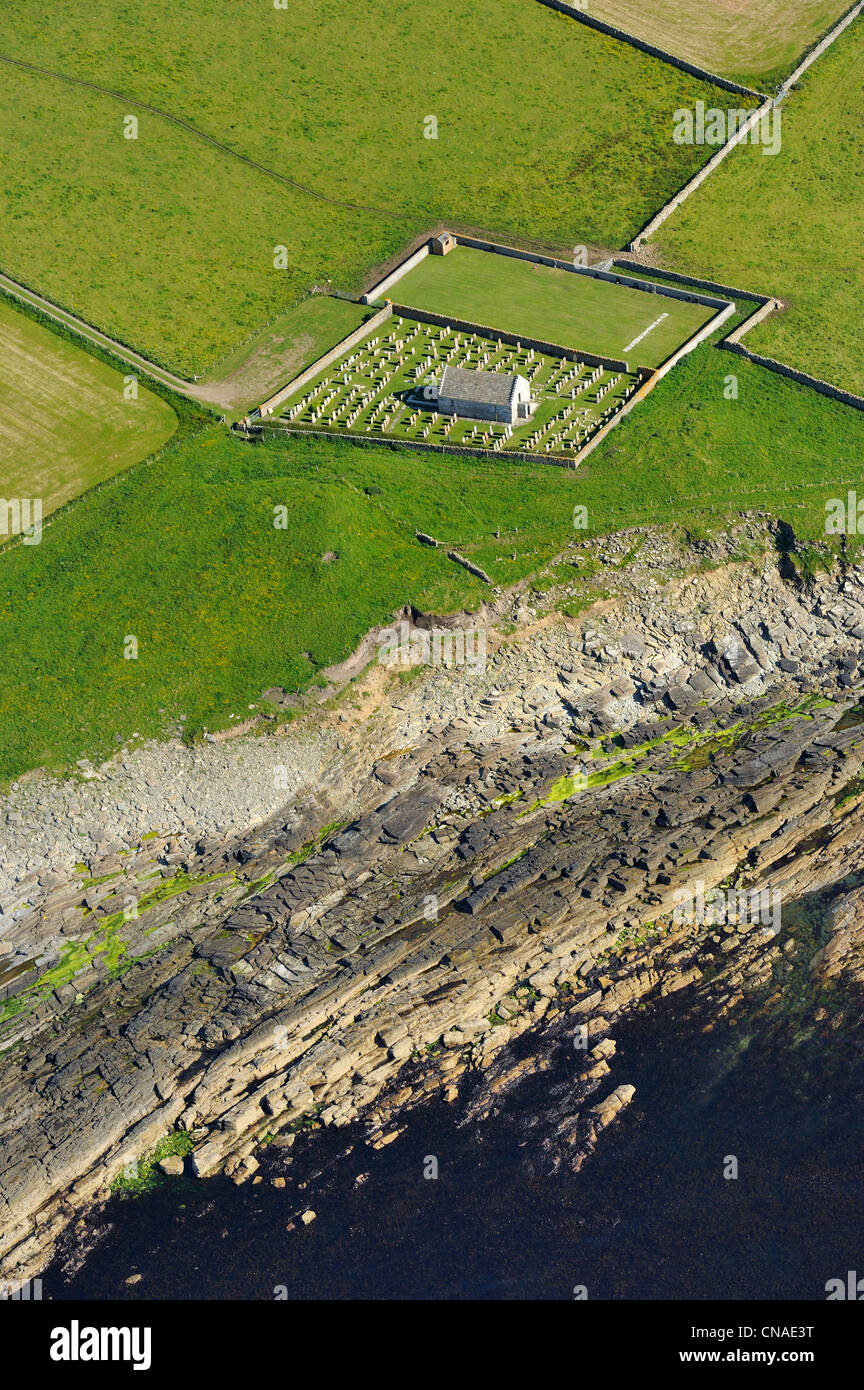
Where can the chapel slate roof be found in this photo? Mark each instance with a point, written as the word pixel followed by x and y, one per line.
pixel 486 388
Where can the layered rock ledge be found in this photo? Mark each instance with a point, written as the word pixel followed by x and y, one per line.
pixel 484 849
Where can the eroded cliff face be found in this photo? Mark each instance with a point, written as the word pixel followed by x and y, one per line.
pixel 477 857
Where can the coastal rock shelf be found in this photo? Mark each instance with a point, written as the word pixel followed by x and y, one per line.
pixel 479 854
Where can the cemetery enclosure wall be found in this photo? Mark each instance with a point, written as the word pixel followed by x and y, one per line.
pixel 483 331
pixel 711 285
pixel 593 273
pixel 355 337
pixel 699 337
pixel 379 290
pixel 375 442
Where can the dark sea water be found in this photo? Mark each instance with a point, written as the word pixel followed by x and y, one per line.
pixel 650 1215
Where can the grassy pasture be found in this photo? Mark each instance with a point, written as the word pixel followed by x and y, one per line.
pixel 756 42
pixel 183 553
pixel 167 245
pixel 790 224
pixel 555 305
pixel 64 422
pixel 168 242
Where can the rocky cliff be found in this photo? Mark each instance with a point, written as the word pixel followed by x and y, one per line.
pixel 453 862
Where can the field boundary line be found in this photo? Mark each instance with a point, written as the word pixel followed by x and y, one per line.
pixel 67 319
pixel 652 49
pixel 760 112
pixel 818 48
pixel 737 138
pixel 815 383
pixel 767 305
pixel 199 134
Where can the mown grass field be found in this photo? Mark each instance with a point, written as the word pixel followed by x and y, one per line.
pixel 554 305
pixel 169 243
pixel 64 422
pixel 790 224
pixel 757 42
pixel 182 552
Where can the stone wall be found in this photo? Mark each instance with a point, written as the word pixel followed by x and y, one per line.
pixel 819 48
pixel 699 178
pixel 740 135
pixel 704 332
pixel 538 344
pixel 377 441
pixel 711 285
pixel 379 290
pixel 269 406
pixel 815 383
pixel 593 272
pixel 573 12
pixel 769 307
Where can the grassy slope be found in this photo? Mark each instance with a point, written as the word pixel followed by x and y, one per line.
pixel 756 42
pixel 168 242
pixel 292 343
pixel 64 423
pixel 543 302
pixel 182 552
pixel 791 224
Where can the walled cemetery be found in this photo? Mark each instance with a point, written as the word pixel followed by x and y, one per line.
pixel 386 387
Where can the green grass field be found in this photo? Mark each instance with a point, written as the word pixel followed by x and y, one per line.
pixel 554 305
pixel 168 243
pixel 790 224
pixel 182 551
pixel 64 422
pixel 756 42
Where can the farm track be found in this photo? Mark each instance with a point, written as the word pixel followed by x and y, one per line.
pixel 199 134
pixel 94 335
